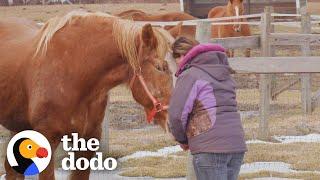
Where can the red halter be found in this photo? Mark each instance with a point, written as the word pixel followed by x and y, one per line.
pixel 157 106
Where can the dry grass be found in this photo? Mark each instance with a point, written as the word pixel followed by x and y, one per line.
pixel 286 114
pixel 43 13
pixel 124 142
pixel 249 99
pixel 300 155
pixel 159 167
pixel 286 122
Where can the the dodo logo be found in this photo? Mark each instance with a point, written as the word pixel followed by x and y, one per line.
pixel 29 152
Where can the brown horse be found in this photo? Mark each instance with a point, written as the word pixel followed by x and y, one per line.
pixel 130 13
pixel 138 15
pixel 55 80
pixel 233 8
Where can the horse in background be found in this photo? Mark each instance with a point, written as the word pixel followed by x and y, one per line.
pixel 130 13
pixel 138 15
pixel 55 79
pixel 233 8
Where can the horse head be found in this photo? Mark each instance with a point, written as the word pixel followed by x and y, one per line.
pixel 236 8
pixel 151 79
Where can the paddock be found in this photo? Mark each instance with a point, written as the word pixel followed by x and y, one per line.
pixel 278 95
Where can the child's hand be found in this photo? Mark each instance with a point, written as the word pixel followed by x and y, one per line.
pixel 185 147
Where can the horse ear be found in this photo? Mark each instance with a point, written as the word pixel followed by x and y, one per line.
pixel 148 36
pixel 176 30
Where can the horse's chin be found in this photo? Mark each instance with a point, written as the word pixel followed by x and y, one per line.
pixel 165 127
pixel 237 30
pixel 163 123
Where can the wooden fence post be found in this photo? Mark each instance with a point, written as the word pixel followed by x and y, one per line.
pixel 203 31
pixel 203 35
pixel 306 78
pixel 265 79
pixel 104 142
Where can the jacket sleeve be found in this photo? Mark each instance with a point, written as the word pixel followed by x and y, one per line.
pixel 181 105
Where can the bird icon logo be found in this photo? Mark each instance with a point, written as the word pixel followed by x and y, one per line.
pixel 29 153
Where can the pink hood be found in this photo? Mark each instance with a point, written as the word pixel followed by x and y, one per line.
pixel 201 48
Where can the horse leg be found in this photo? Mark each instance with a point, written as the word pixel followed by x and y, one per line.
pixel 96 112
pixel 54 140
pixel 228 53
pixel 247 52
pixel 84 174
pixel 232 53
pixel 52 127
pixel 246 32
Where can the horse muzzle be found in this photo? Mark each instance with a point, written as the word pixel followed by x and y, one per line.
pixel 237 28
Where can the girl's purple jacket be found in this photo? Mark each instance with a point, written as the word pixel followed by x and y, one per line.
pixel 203 109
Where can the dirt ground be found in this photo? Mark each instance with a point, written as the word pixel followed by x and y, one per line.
pixel 129 132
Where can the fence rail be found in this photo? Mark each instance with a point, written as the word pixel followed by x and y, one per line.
pixel 233 42
pixel 274 65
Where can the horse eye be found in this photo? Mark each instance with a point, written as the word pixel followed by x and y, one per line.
pixel 159 68
pixel 29 147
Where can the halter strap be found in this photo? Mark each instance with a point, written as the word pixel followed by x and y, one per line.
pixel 157 106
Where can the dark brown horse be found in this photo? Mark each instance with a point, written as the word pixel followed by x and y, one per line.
pixel 138 15
pixel 233 8
pixel 55 80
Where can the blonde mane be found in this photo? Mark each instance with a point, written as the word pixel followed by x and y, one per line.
pixel 55 24
pixel 124 33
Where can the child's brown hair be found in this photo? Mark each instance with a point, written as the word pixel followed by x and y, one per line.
pixel 182 45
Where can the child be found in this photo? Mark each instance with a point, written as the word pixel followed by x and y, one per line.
pixel 203 110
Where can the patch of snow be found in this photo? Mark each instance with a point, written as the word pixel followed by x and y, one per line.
pixel 3 177
pixel 310 138
pixel 161 152
pixel 292 139
pixel 257 141
pixel 280 167
pixel 248 114
pixel 266 166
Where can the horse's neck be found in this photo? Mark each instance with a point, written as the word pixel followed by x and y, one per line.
pixel 112 76
pixel 152 17
pixel 101 64
pixel 116 76
pixel 229 10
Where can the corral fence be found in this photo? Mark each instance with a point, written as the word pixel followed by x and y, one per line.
pixel 297 71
